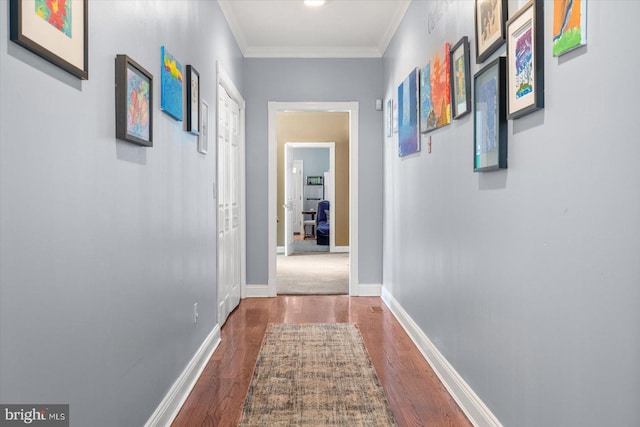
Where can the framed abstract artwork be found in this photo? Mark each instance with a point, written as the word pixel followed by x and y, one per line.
pixel 193 100
pixel 389 118
pixel 57 31
pixel 134 102
pixel 525 64
pixel 408 123
pixel 490 118
pixel 569 25
pixel 460 79
pixel 395 116
pixel 203 138
pixel 490 17
pixel 435 91
pixel 171 85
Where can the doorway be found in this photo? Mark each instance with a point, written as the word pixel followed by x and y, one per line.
pixel 304 187
pixel 352 109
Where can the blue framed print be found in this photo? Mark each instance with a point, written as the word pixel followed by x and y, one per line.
pixel 490 117
pixel 408 115
pixel 171 79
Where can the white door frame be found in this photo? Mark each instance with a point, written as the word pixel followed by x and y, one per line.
pixel 223 79
pixel 332 168
pixel 353 109
pixel 299 185
pixel 289 213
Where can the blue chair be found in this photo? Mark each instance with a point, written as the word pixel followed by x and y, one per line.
pixel 322 223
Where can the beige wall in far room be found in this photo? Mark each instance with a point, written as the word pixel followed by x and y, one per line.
pixel 318 127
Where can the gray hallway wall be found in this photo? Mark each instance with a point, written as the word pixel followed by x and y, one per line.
pixel 314 80
pixel 316 160
pixel 527 280
pixel 104 245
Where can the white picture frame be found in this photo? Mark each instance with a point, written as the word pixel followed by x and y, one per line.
pixel 203 137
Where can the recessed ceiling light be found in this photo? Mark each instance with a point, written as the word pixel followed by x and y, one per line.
pixel 314 3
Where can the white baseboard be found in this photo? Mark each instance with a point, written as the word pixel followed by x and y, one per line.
pixel 280 249
pixel 166 412
pixel 256 291
pixel 467 399
pixel 369 290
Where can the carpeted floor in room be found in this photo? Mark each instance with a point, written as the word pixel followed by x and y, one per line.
pixel 312 273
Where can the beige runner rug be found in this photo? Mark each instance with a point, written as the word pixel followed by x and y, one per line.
pixel 315 375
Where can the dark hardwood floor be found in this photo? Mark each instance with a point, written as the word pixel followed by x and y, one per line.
pixel 416 395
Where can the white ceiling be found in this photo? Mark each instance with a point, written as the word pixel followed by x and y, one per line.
pixel 289 29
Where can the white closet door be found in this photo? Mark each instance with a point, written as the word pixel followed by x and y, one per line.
pixel 228 205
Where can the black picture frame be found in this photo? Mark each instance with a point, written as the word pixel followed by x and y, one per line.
pixel 459 58
pixel 525 60
pixel 490 19
pixel 193 100
pixel 490 117
pixel 134 113
pixel 70 51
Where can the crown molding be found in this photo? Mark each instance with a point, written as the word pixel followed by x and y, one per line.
pixel 312 52
pixel 393 27
pixel 227 11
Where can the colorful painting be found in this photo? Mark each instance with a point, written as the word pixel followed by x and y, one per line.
pixel 435 92
pixel 524 64
pixel 459 81
pixel 569 25
pixel 408 131
pixel 137 104
pixel 425 95
pixel 490 18
pixel 56 13
pixel 45 28
pixel 525 57
pixel 171 83
pixel 134 102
